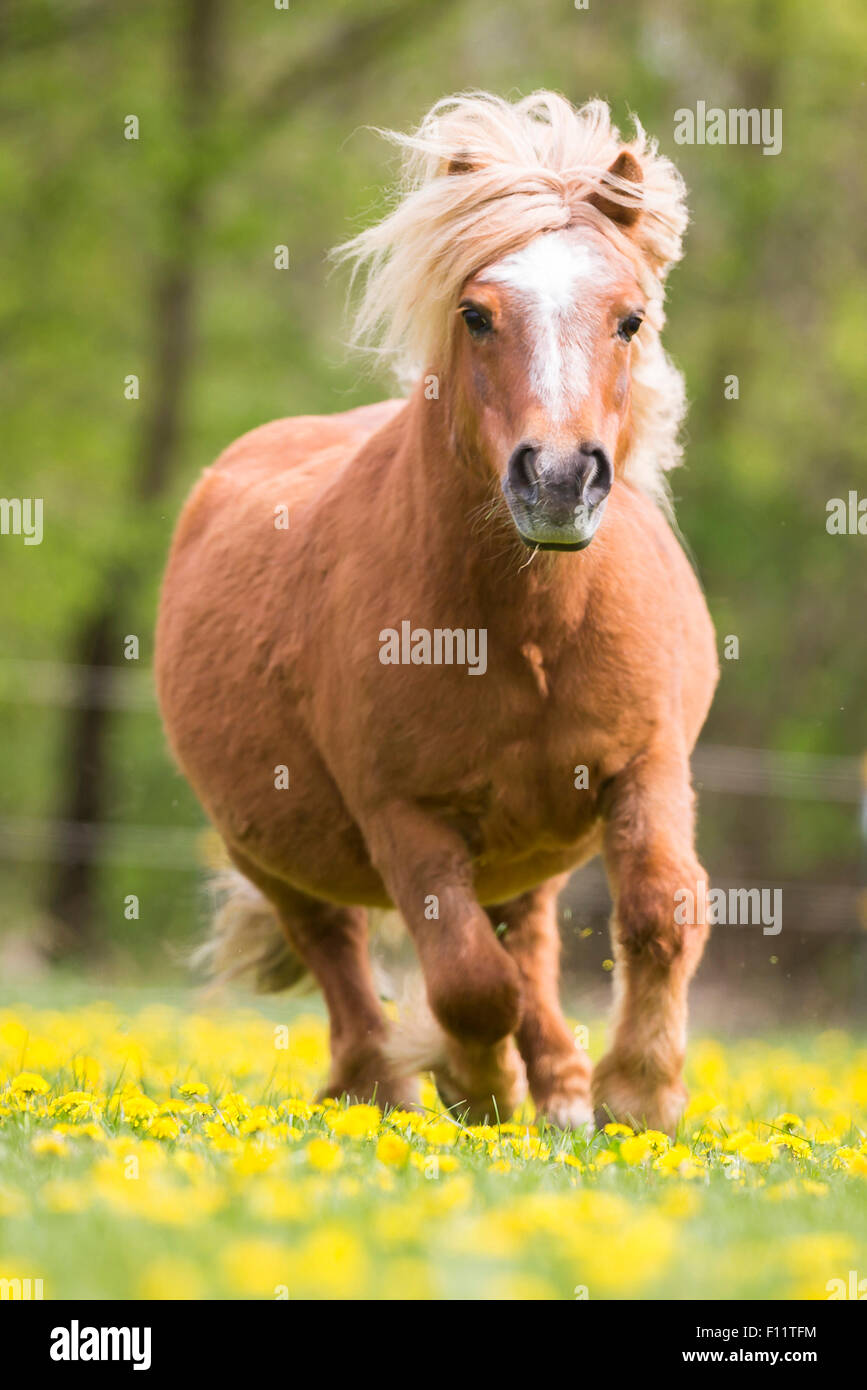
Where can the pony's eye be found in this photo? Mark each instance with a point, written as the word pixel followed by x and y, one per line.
pixel 477 322
pixel 628 327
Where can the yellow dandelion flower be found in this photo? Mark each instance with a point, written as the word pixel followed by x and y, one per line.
pixel 357 1122
pixel 569 1160
pixel 163 1127
pixel 521 1288
pixel 757 1151
pixel 323 1155
pixel 392 1151
pixel 702 1103
pixel 782 1191
pixel 171 1277
pixel 137 1106
pixel 76 1104
pixel 81 1131
pixel 273 1200
pixel 235 1107
pixel 820 1254
pixel 629 1257
pixel 256 1267
pixel 406 1119
pixel 65 1196
pixel 286 1133
pixel 48 1144
pixel 28 1083
pixel 258 1120
pixel 603 1158
pixel 404 1280
pixel 190 1163
pixel 447 1163
pixel 174 1106
pixel 678 1160
pixel 441 1134
pixel 857 1165
pixel 254 1158
pixel 331 1263
pixel 793 1142
pixel 679 1202
pixel 633 1151
pixel 739 1140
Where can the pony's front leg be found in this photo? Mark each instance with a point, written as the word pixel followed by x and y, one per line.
pixel 473 986
pixel 558 1069
pixel 650 859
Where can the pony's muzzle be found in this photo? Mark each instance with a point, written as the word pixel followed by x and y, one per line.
pixel 557 498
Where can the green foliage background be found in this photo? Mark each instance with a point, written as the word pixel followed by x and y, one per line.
pixel 772 289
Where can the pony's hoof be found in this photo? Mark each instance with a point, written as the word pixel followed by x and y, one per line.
pixel 567 1112
pixel 482 1085
pixel 373 1087
pixel 620 1096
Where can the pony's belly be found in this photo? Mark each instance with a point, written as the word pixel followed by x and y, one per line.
pixel 324 853
pixel 502 879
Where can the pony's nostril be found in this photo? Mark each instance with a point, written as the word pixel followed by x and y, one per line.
pixel 523 478
pixel 595 474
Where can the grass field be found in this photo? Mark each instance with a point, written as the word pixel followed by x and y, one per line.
pixel 150 1149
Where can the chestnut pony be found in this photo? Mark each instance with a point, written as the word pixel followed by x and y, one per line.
pixel 436 653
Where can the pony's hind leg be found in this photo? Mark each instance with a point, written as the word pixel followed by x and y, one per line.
pixel 332 941
pixel 558 1069
pixel 473 986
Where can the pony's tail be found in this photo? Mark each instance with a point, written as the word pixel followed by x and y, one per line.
pixel 416 1042
pixel 246 941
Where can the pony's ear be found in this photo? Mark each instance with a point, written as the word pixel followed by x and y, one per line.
pixel 462 162
pixel 627 167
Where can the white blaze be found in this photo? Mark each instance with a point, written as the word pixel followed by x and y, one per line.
pixel 560 280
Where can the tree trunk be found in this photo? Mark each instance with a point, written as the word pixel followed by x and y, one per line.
pixel 96 646
pixel 342 60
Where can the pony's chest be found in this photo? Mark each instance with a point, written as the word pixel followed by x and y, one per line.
pixel 539 763
pixel 543 789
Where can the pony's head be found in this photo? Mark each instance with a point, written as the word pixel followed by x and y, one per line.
pixel 523 266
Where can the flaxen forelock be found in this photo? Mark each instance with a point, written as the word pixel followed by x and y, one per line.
pixel 482 177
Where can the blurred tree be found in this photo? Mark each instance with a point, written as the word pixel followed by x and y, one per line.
pixel 83 797
pixel 156 257
pixel 95 646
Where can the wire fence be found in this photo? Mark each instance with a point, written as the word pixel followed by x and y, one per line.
pixel 717 768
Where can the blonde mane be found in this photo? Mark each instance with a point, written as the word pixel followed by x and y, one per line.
pixel 480 178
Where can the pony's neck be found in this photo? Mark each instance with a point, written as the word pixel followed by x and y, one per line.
pixel 461 520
